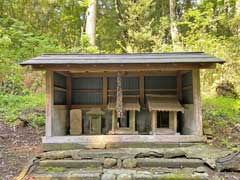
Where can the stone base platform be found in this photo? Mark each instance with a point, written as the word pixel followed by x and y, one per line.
pixel 118 141
pixel 198 161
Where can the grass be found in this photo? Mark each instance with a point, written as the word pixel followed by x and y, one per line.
pixel 222 108
pixel 222 116
pixel 28 107
pixel 55 169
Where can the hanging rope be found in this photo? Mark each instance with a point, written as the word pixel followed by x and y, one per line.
pixel 119 101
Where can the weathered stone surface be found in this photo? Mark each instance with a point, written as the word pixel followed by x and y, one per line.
pixel 143 176
pixel 207 153
pixel 76 122
pixel 149 154
pixel 200 169
pixel 64 176
pixel 173 153
pixel 170 163
pixel 129 163
pixel 108 177
pixel 71 163
pixel 109 162
pixel 119 163
pixel 230 162
pixel 124 177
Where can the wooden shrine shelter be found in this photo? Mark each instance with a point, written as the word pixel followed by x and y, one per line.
pixel 160 97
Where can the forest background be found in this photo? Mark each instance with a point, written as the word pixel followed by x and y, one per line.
pixel 30 28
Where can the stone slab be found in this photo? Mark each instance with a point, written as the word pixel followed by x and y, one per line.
pixel 169 163
pixel 71 163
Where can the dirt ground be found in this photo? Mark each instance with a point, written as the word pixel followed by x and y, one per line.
pixel 17 146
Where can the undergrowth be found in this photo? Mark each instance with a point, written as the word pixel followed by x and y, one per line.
pixel 30 108
pixel 222 116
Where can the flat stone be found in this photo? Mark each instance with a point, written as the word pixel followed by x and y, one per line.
pixel 71 163
pixel 170 163
pixel 149 154
pixel 124 177
pixel 64 176
pixel 108 177
pixel 230 162
pixel 173 153
pixel 119 163
pixel 200 169
pixel 142 176
pixel 75 121
pixel 129 163
pixel 109 162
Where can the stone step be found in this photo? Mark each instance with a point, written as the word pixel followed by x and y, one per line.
pixel 66 176
pixel 122 174
pixel 169 163
pixel 90 163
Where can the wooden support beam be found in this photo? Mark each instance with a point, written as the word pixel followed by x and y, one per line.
pixel 154 121
pixel 69 102
pixel 105 90
pixel 49 102
pixel 197 113
pixel 179 86
pixel 114 121
pixel 141 86
pixel 132 118
pixel 119 67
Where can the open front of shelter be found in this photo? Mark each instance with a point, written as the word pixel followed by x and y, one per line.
pixel 124 98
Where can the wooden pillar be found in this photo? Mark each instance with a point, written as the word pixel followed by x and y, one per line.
pixel 69 102
pixel 197 113
pixel 141 89
pixel 154 121
pixel 132 115
pixel 179 86
pixel 49 103
pixel 104 90
pixel 113 121
pixel 174 121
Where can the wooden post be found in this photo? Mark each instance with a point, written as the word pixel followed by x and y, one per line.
pixel 174 121
pixel 104 90
pixel 142 89
pixel 179 86
pixel 197 114
pixel 49 102
pixel 69 102
pixel 154 121
pixel 132 120
pixel 113 121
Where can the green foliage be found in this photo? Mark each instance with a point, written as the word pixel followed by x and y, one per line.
pixel 27 107
pixel 221 109
pixel 55 169
pixel 222 116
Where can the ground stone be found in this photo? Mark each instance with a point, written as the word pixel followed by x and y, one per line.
pixel 109 162
pixel 142 176
pixel 108 177
pixel 170 163
pixel 129 163
pixel 229 162
pixel 174 153
pixel 200 169
pixel 124 177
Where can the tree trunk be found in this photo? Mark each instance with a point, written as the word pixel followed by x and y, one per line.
pixel 91 22
pixel 237 13
pixel 174 30
pixel 238 8
pixel 188 4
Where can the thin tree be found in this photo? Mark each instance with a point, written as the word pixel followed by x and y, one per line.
pixel 91 22
pixel 173 26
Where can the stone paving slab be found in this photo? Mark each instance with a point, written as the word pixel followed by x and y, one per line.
pixel 71 163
